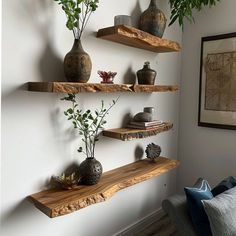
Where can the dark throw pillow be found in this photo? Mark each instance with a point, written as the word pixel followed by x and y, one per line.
pixel 224 185
pixel 200 191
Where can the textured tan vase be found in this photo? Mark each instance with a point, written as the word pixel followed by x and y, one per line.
pixel 77 64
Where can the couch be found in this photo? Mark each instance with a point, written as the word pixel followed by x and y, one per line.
pixel 176 207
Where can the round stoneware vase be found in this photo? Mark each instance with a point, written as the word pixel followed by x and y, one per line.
pixel 77 64
pixel 90 171
pixel 153 20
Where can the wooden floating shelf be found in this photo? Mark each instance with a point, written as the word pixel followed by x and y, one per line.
pixel 138 88
pixel 61 202
pixel 66 87
pixel 133 37
pixel 127 134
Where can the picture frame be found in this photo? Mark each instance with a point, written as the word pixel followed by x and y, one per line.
pixel 217 87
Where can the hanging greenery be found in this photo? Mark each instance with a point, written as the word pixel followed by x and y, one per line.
pixel 181 9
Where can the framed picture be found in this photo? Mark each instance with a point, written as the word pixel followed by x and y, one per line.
pixel 217 93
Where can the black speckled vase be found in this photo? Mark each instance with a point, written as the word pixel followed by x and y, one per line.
pixel 90 171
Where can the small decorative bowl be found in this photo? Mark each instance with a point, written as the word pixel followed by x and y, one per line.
pixel 107 77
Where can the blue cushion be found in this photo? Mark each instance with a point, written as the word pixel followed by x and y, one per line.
pixel 200 191
pixel 224 185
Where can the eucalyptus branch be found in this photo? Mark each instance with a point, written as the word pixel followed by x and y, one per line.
pixel 84 19
pixel 78 12
pixel 86 22
pixel 88 124
pixel 82 11
pixel 102 120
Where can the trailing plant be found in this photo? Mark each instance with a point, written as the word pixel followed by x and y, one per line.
pixel 183 9
pixel 87 123
pixel 78 13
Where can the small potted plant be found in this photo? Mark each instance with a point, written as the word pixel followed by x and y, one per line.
pixel 88 125
pixel 77 63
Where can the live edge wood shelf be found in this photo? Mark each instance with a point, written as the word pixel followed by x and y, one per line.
pixel 127 134
pixel 133 37
pixel 61 202
pixel 66 87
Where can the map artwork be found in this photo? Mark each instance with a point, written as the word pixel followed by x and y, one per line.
pixel 220 93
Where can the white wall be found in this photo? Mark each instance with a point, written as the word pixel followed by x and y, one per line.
pixel 36 142
pixel 206 152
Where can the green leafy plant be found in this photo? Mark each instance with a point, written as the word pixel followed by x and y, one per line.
pixel 181 9
pixel 87 123
pixel 78 13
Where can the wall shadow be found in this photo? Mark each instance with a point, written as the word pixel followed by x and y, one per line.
pixel 130 76
pixel 20 212
pixel 40 13
pixel 50 64
pixel 135 15
pixel 126 119
pixel 138 153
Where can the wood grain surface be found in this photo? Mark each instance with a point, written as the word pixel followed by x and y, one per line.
pixel 60 202
pixel 67 87
pixel 138 88
pixel 128 134
pixel 133 37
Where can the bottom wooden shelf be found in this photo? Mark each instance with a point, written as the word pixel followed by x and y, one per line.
pixel 61 202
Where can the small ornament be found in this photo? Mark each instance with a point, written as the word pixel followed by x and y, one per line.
pixel 66 182
pixel 107 77
pixel 123 20
pixel 143 117
pixel 153 151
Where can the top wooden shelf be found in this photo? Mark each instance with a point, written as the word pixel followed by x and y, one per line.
pixel 66 87
pixel 56 202
pixel 137 38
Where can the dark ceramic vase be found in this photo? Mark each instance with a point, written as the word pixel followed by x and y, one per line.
pixel 77 64
pixel 153 20
pixel 146 75
pixel 90 171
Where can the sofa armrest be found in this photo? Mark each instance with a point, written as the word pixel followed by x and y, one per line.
pixel 176 207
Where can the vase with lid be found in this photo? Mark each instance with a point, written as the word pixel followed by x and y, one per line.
pixel 153 20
